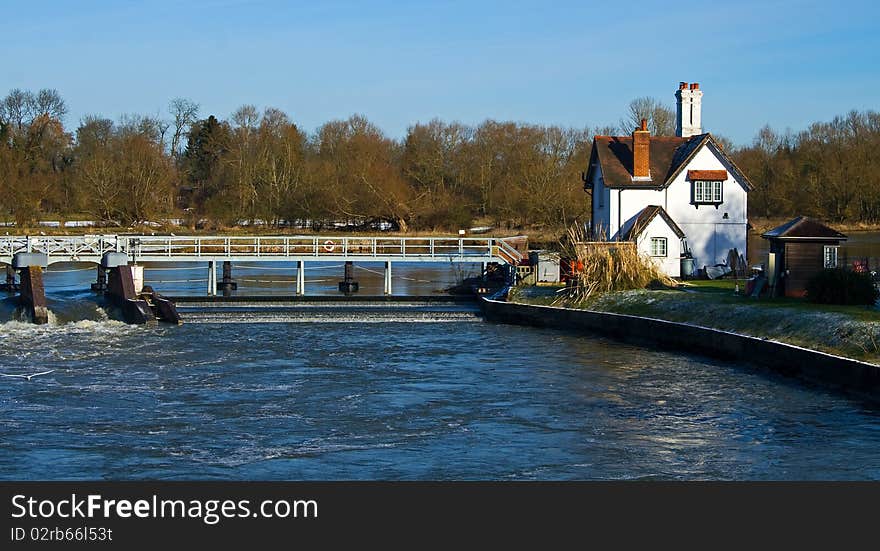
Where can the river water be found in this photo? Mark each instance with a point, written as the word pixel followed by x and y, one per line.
pixel 414 392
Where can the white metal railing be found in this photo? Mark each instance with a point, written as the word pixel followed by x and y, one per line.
pixel 156 247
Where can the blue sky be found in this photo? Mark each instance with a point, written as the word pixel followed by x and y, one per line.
pixel 784 63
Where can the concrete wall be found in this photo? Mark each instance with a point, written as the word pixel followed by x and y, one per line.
pixel 817 367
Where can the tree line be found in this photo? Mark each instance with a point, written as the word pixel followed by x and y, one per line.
pixel 259 165
pixel 831 170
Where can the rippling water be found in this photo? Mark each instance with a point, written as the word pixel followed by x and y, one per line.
pixel 422 392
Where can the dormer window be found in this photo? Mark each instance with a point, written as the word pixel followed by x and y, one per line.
pixel 708 192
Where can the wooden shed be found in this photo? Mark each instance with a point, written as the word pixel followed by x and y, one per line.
pixel 798 250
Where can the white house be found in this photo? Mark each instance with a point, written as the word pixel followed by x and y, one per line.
pixel 670 194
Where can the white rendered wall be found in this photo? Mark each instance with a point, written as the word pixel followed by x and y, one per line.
pixel 601 206
pixel 709 235
pixel 632 202
pixel 670 264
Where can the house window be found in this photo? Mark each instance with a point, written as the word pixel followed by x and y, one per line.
pixel 830 256
pixel 708 192
pixel 658 246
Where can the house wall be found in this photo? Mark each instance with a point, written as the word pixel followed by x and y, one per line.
pixel 633 201
pixel 709 235
pixel 601 206
pixel 670 264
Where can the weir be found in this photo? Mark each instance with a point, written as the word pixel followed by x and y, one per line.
pixel 120 277
pixel 139 304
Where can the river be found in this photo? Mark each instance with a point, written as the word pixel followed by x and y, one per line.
pixel 419 392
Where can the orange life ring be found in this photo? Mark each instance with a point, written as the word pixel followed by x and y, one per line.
pixel 329 246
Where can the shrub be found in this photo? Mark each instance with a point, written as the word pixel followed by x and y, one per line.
pixel 839 286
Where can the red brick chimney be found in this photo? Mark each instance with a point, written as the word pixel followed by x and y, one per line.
pixel 642 151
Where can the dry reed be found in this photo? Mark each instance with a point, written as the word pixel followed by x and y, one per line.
pixel 606 266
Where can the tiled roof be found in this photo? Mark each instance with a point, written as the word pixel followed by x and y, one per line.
pixel 668 155
pixel 804 227
pixel 644 218
pixel 615 155
pixel 707 175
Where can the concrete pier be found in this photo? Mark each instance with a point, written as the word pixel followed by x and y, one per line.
pixel 10 286
pixel 348 284
pixel 33 294
pixel 301 277
pixel 122 291
pixel 227 284
pixel 388 277
pixel 100 284
pixel 212 278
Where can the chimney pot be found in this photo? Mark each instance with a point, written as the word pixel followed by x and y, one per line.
pixel 644 124
pixel 687 110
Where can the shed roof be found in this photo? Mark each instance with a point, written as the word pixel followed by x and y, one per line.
pixel 805 228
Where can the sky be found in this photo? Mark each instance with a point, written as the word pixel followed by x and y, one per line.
pixel 782 63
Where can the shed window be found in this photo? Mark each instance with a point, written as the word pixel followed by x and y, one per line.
pixel 658 246
pixel 708 192
pixel 831 256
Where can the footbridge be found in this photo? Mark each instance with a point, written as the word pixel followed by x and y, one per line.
pixel 111 251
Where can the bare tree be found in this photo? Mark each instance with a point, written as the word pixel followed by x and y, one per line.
pixel 661 119
pixel 185 112
pixel 48 102
pixel 18 108
pixel 246 117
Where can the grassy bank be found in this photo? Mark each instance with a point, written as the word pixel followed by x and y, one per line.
pixel 852 331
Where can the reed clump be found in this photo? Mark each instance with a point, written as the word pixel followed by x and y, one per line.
pixel 607 266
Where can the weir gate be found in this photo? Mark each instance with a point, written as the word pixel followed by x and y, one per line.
pixel 119 256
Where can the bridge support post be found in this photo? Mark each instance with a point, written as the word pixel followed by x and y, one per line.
pixel 387 277
pixel 33 294
pixel 348 285
pixel 212 278
pixel 227 284
pixel 10 286
pixel 301 277
pixel 100 284
pixel 108 262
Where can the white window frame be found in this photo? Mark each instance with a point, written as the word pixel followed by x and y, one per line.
pixel 654 241
pixel 708 192
pixel 830 256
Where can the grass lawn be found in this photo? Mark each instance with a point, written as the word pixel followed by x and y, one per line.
pixel 723 290
pixel 852 331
